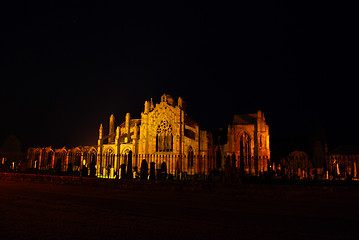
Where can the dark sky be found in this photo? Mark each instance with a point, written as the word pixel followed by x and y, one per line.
pixel 66 67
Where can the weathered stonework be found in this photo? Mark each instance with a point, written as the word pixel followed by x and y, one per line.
pixel 248 140
pixel 164 134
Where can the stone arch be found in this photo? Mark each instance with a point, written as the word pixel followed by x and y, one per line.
pixel 92 160
pixel 109 157
pixel 243 148
pixel 48 158
pixel 88 155
pixel 75 158
pixel 60 159
pixel 31 157
pixel 36 158
pixel 85 156
pixel 126 154
pixel 106 161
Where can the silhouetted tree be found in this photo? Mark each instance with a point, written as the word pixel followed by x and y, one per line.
pixel 129 167
pixel 144 170
pixel 152 171
pixel 93 169
pixel 123 171
pixel 163 171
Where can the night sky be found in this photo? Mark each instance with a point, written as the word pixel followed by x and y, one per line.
pixel 66 67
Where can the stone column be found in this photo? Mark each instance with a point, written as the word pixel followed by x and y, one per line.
pixel 66 161
pixel 82 161
pixel 111 131
pixel 40 159
pixel 53 160
pixel 99 151
pixel 127 125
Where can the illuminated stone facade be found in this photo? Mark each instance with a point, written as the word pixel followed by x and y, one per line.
pixel 248 142
pixel 343 162
pixel 163 134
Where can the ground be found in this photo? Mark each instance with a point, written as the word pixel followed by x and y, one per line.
pixel 33 210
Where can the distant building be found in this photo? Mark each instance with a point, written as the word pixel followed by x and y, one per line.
pixel 296 164
pixel 163 134
pixel 248 141
pixel 11 154
pixel 343 161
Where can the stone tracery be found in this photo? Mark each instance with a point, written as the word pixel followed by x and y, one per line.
pixel 164 137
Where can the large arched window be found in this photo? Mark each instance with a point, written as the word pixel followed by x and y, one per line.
pixel 60 159
pixel 49 160
pixel 110 158
pixel 245 149
pixel 127 157
pixel 164 137
pixel 37 159
pixel 77 159
pixel 92 161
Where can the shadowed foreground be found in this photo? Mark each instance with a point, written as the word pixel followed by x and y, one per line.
pixel 50 211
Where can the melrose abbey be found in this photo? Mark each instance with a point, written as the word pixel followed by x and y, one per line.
pixel 163 136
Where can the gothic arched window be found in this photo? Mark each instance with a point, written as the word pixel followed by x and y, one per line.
pixel 49 159
pixel 109 158
pixel 77 159
pixel 164 137
pixel 245 149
